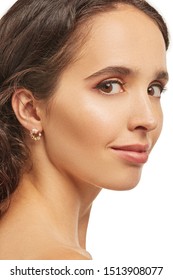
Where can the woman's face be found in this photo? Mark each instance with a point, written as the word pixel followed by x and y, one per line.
pixel 106 116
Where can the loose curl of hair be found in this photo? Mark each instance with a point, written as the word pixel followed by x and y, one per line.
pixel 38 40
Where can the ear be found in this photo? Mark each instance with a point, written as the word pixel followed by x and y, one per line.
pixel 26 109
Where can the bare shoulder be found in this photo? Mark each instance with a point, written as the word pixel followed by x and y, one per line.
pixel 44 252
pixel 21 244
pixel 65 253
pixel 22 239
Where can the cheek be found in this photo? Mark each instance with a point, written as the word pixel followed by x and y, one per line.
pixel 86 121
pixel 77 133
pixel 157 132
pixel 154 134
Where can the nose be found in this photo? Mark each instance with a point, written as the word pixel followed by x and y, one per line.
pixel 145 113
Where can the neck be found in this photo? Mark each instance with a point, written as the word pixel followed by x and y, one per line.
pixel 64 202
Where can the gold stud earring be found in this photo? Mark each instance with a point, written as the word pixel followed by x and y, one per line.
pixel 35 134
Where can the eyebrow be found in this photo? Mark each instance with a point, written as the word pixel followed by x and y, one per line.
pixel 125 71
pixel 113 70
pixel 162 75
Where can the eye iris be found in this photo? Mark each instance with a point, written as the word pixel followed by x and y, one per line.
pixel 151 91
pixel 107 87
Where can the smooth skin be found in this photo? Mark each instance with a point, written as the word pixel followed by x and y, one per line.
pixel 109 97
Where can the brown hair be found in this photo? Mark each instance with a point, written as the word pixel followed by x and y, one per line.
pixel 38 39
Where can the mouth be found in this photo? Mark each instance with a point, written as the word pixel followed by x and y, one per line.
pixel 136 154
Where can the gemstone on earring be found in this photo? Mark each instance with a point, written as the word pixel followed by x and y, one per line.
pixel 35 134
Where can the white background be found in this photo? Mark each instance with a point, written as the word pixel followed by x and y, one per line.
pixel 135 227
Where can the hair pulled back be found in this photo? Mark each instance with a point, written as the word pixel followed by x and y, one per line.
pixel 38 39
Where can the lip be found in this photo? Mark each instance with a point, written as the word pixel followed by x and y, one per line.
pixel 136 153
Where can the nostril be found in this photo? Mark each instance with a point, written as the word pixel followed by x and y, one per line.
pixel 140 127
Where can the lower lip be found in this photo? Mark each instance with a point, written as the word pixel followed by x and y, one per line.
pixel 132 156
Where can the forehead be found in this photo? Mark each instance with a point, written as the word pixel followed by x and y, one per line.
pixel 124 35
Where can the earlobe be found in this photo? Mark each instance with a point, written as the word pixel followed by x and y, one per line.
pixel 25 108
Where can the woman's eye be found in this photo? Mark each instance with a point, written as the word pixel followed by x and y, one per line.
pixel 110 87
pixel 155 90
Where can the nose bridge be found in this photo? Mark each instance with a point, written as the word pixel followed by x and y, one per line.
pixel 143 112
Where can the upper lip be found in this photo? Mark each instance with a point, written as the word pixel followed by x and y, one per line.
pixel 139 148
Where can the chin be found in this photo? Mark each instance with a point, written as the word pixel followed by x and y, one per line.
pixel 124 184
pixel 121 187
